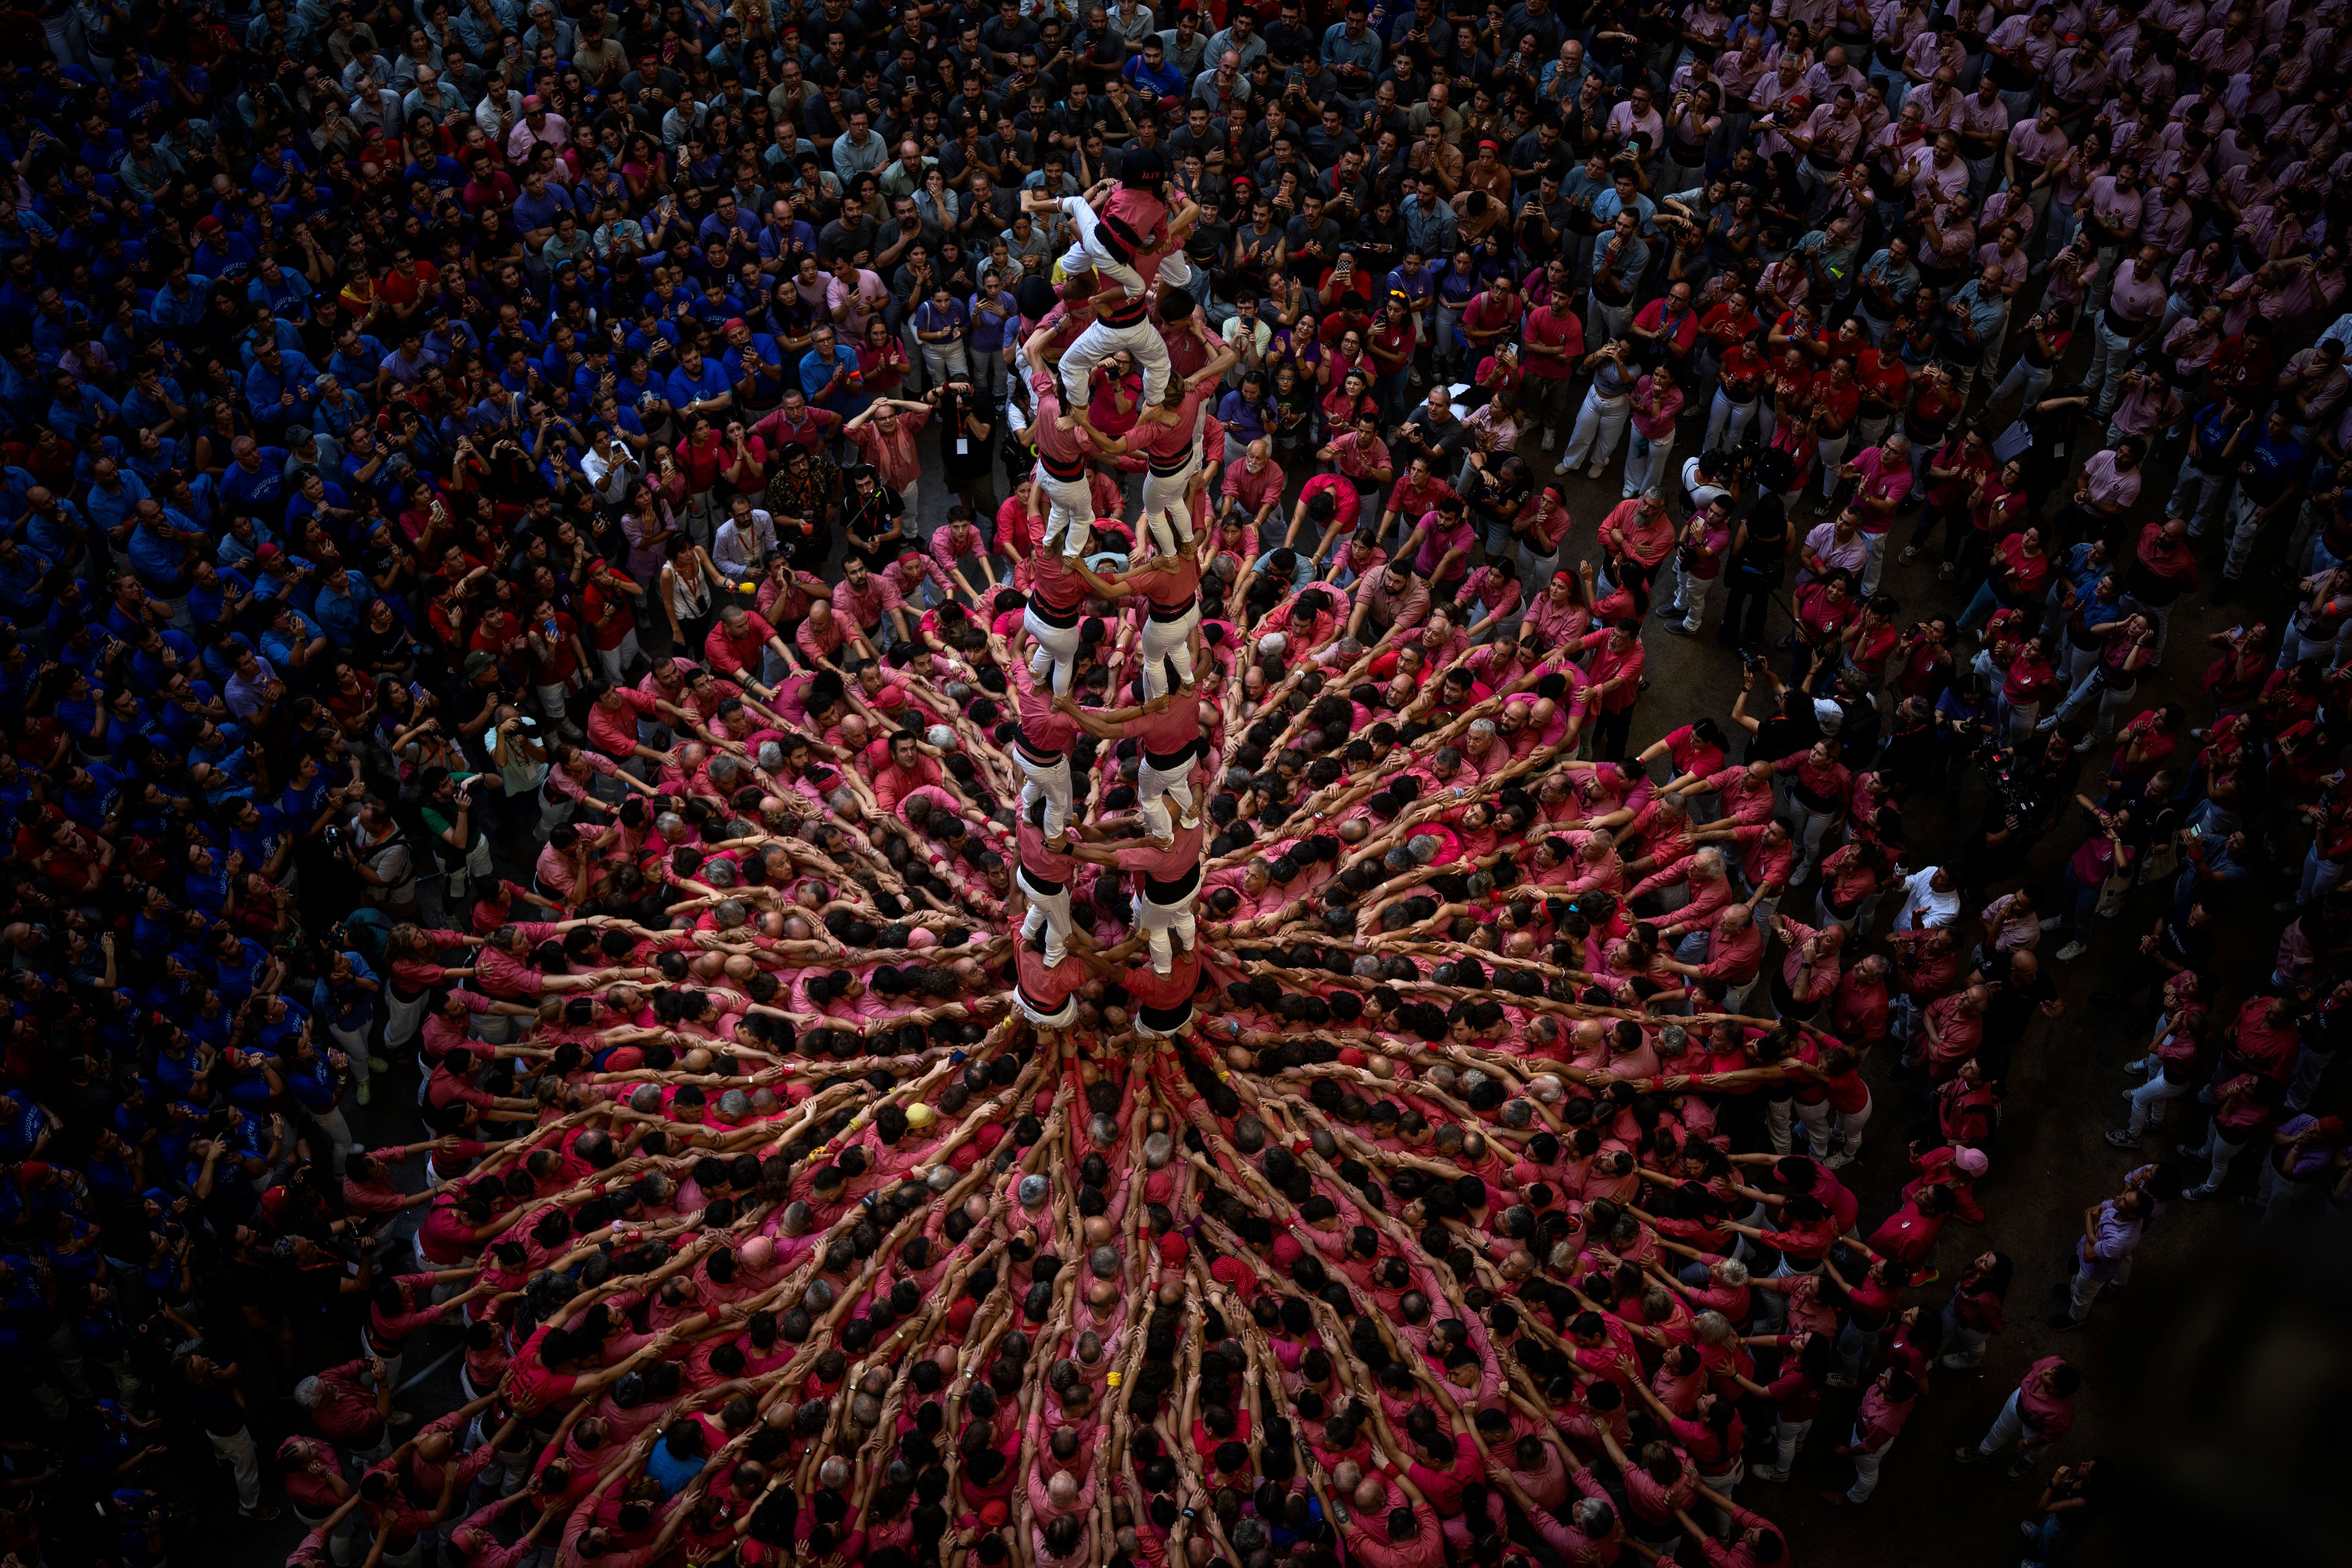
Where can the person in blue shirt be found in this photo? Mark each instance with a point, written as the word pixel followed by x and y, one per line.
pixel 113 494
pixel 288 294
pixel 182 301
pixel 314 496
pixel 219 252
pixel 292 641
pixel 679 1458
pixel 699 385
pixel 24 383
pixel 2270 478
pixel 1150 74
pixel 92 793
pixel 75 406
pixel 277 387
pixel 341 607
pixel 283 576
pixel 156 651
pixel 216 593
pixel 23 572
pixel 756 363
pixel 829 376
pixel 255 479
pixel 537 208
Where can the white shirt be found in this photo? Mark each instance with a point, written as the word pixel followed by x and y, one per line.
pixel 740 557
pixel 1922 908
pixel 609 477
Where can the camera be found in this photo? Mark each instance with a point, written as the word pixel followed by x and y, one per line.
pixel 1752 662
pixel 335 840
pixel 2018 794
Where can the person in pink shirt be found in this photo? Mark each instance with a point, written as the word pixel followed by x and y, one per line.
pixel 2037 1413
pixel 1253 490
pixel 1885 477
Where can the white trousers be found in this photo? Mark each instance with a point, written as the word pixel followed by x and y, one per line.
pixel 1866 1473
pixel 1690 593
pixel 1098 342
pixel 2010 1426
pixel 1166 512
pixel 1164 640
pixel 1049 910
pixel 1727 421
pixel 1599 423
pixel 1069 509
pixel 1057 645
pixel 1645 461
pixel 1053 784
pixel 1160 924
pixel 1152 783
pixel 236 1452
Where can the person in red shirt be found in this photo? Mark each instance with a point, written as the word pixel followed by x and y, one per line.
pixel 1551 345
pixel 1883 383
pixel 1616 672
pixel 558 657
pixel 1837 399
pixel 908 770
pixel 609 619
pixel 740 645
pixel 1741 370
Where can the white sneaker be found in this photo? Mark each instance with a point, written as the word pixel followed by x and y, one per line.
pixel 2072 951
pixel 1562 467
pixel 2051 922
pixel 1551 440
pixel 1596 470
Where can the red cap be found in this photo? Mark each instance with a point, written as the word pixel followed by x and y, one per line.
pixel 1351 1056
pixel 959 1315
pixel 626 1060
pixel 533 101
pixel 991 1514
pixel 1230 1270
pixel 734 324
pixel 1159 1187
pixel 32 1171
pixel 1286 1250
pixel 267 553
pixel 1172 1249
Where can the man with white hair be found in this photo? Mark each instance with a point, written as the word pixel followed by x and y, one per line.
pixel 1695 889
pixel 1732 956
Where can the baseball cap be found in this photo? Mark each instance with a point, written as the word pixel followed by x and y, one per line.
pixel 477 661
